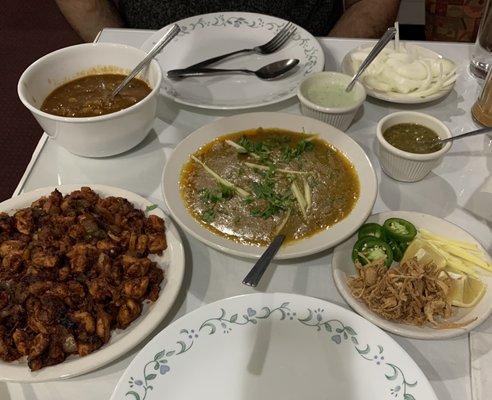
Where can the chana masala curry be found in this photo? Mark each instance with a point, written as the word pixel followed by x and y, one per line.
pixel 252 185
pixel 89 96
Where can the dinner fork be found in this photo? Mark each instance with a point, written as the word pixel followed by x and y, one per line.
pixel 269 47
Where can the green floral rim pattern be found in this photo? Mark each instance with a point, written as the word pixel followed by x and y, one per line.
pixel 311 52
pixel 336 330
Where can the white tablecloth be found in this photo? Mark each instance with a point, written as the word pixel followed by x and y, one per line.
pixel 456 190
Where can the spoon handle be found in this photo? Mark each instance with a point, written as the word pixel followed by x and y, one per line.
pixel 152 53
pixel 463 135
pixel 388 35
pixel 254 276
pixel 185 72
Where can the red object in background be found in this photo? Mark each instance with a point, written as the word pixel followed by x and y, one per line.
pixel 29 29
pixel 453 20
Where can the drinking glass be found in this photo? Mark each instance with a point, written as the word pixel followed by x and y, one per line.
pixel 482 109
pixel 481 60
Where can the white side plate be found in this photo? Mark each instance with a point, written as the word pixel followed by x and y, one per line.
pixel 400 98
pixel 209 35
pixel 343 267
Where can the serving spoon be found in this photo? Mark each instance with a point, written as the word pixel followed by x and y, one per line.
pixel 379 46
pixel 162 42
pixel 267 72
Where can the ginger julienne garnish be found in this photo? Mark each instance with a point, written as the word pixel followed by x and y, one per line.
pixel 411 292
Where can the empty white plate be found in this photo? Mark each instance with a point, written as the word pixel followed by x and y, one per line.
pixel 209 35
pixel 273 346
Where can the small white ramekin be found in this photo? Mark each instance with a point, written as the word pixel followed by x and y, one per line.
pixel 339 117
pixel 100 136
pixel 402 165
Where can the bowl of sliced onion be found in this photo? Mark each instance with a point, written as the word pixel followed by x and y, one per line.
pixel 403 73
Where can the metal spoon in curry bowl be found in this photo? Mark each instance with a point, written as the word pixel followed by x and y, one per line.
pixel 162 42
pixel 463 135
pixel 267 72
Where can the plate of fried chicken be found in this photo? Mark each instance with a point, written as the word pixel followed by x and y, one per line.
pixel 86 273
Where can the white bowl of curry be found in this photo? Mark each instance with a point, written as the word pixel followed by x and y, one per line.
pixel 67 91
pixel 406 144
pixel 237 182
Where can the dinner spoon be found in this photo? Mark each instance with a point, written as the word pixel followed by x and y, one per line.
pixel 162 42
pixel 254 276
pixel 380 45
pixel 269 71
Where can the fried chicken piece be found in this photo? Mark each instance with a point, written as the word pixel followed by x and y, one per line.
pixel 155 223
pixel 21 341
pixel 99 289
pixel 84 348
pixel 10 246
pixel 157 243
pixel 81 256
pixel 134 266
pixel 84 320
pixel 24 222
pixel 103 325
pixel 42 259
pixel 136 288
pixel 128 312
pixel 38 345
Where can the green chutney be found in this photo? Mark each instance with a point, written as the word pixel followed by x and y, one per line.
pixel 413 138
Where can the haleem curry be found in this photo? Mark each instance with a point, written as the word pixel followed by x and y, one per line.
pixel 250 186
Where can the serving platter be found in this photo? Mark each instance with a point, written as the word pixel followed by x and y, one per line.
pixel 209 35
pixel 400 98
pixel 281 346
pixel 343 267
pixel 121 341
pixel 310 245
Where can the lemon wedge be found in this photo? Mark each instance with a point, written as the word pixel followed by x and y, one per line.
pixel 424 253
pixel 466 291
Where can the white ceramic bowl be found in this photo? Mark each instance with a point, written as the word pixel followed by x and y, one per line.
pixel 100 136
pixel 402 165
pixel 339 117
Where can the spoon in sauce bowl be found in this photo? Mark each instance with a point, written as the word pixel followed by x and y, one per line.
pixel 378 47
pixel 254 276
pixel 161 43
pixel 463 135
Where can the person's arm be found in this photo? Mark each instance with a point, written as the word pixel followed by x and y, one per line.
pixel 89 17
pixel 366 18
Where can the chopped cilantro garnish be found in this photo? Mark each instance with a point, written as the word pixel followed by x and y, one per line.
pixel 214 196
pixel 261 149
pixel 291 153
pixel 150 208
pixel 208 215
pixel 276 202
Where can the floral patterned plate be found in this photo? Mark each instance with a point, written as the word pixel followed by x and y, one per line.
pixel 272 346
pixel 209 35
